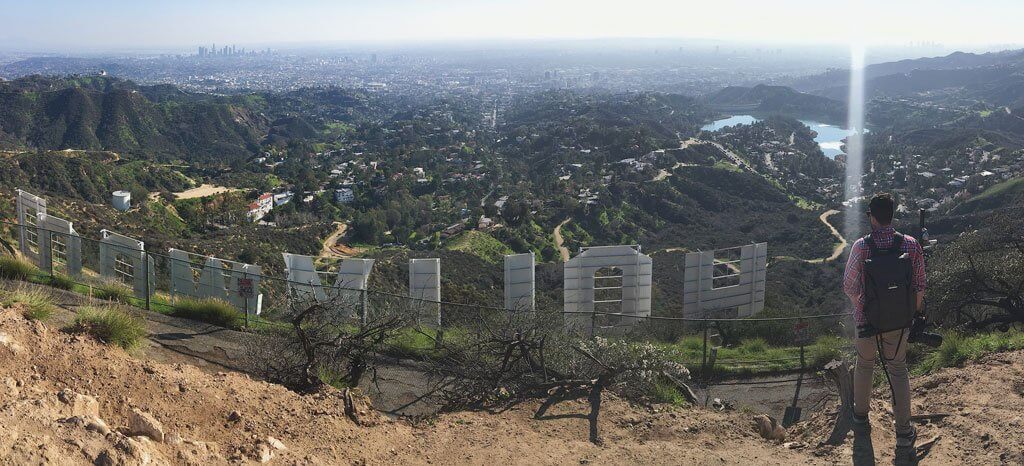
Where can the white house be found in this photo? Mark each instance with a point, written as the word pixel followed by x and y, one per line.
pixel 344 195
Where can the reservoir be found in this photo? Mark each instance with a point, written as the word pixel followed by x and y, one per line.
pixel 829 138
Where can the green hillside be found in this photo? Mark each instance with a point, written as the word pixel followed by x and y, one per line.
pixel 1007 193
pixel 480 244
pixel 97 113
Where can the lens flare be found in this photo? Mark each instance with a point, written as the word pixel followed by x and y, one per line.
pixel 855 142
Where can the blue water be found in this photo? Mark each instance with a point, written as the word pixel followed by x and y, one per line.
pixel 830 137
pixel 731 121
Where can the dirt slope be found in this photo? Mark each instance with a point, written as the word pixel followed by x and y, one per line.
pixel 980 419
pixel 66 399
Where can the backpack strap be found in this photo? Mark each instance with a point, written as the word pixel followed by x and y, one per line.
pixel 897 243
pixel 870 241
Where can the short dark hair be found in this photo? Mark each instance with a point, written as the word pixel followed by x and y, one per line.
pixel 881 207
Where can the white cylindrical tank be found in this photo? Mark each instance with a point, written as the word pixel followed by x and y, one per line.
pixel 122 200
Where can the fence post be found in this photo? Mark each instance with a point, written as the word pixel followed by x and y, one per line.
pixel 704 359
pixel 362 307
pixel 145 274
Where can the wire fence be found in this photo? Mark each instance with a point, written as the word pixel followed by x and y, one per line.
pixel 121 267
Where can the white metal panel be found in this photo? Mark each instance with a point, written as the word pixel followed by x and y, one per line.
pixel 28 207
pixel 579 283
pixel 520 287
pixel 746 296
pixel 132 250
pixel 53 229
pixel 218 278
pixel 303 280
pixel 354 274
pixel 425 285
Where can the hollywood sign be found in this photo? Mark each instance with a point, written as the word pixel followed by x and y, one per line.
pixel 611 281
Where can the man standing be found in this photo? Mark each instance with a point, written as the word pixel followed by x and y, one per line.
pixel 885 280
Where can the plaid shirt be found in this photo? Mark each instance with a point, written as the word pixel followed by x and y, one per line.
pixel 853 279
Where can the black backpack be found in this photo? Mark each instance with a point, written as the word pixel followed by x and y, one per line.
pixel 889 299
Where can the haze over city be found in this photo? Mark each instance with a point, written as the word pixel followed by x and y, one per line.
pixel 122 25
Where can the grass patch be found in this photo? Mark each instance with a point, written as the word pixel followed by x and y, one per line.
pixel 667 392
pixel 110 326
pixel 38 302
pixel 958 349
pixel 480 244
pixel 755 355
pixel 210 310
pixel 13 268
pixel 112 291
pixel 59 280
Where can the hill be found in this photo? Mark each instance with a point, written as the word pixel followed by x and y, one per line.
pixel 69 399
pixel 1007 193
pixel 992 77
pixel 100 113
pixel 953 61
pixel 480 244
pixel 777 99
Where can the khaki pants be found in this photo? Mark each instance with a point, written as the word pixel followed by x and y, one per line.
pixel 894 349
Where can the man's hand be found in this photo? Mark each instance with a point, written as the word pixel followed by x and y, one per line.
pixel 920 302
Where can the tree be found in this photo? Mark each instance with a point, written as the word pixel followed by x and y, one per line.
pixel 333 338
pixel 978 280
pixel 505 357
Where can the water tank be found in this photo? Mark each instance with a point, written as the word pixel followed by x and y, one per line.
pixel 122 200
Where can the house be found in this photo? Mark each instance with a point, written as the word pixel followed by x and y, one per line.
pixel 261 207
pixel 344 195
pixel 282 198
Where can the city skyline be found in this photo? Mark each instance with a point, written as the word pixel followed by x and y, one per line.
pixel 118 25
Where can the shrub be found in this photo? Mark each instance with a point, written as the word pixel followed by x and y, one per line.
pixel 38 303
pixel 754 346
pixel 111 326
pixel 13 268
pixel 112 291
pixel 667 392
pixel 64 282
pixel 209 310
pixel 825 349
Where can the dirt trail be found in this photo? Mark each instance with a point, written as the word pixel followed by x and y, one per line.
pixel 331 248
pixel 837 250
pixel 203 191
pixel 559 241
pixel 841 245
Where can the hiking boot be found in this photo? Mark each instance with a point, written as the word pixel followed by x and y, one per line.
pixel 861 421
pixel 907 439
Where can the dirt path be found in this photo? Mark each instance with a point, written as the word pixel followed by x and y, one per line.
pixel 560 242
pixel 330 248
pixel 836 251
pixel 840 246
pixel 203 191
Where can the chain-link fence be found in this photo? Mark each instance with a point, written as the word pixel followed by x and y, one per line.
pixel 720 352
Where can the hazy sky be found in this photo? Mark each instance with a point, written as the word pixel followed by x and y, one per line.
pixel 70 25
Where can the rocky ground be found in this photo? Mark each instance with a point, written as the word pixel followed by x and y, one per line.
pixel 66 399
pixel 969 415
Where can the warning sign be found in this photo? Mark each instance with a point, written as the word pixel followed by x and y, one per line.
pixel 245 288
